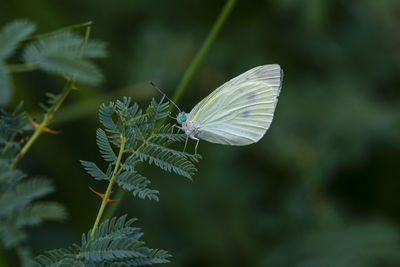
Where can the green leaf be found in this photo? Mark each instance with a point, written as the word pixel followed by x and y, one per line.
pixel 114 243
pixel 65 54
pixel 154 256
pixel 136 183
pixel 95 49
pixel 104 146
pixel 5 86
pixel 8 175
pixel 57 258
pixel 24 192
pixel 105 116
pixel 93 170
pixel 37 212
pixel 10 234
pixel 115 228
pixel 166 159
pixel 12 34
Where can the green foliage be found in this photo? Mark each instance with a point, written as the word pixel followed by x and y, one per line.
pixel 12 34
pixel 19 207
pixel 5 88
pixel 63 53
pixel 135 134
pixel 144 142
pixel 136 183
pixel 114 243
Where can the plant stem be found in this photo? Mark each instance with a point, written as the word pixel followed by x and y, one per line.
pixel 198 59
pixel 48 34
pixel 50 114
pixel 43 125
pixel 21 67
pixel 110 184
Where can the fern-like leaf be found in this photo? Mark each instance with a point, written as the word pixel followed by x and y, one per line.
pixel 5 86
pixel 11 124
pixel 105 147
pixel 166 160
pixel 136 183
pixel 114 228
pixel 166 133
pixel 18 193
pixel 37 212
pixel 65 53
pixel 131 163
pixel 56 258
pixel 10 176
pixel 12 34
pixel 105 115
pixel 114 243
pixel 10 234
pixel 25 192
pixel 94 171
pixel 153 256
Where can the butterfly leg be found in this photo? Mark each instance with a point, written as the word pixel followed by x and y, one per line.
pixel 197 143
pixel 176 126
pixel 184 148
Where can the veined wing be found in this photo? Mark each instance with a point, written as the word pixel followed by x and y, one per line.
pixel 240 111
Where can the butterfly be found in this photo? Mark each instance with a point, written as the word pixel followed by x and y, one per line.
pixel 237 113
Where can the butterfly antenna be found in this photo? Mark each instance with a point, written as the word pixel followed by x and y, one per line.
pixel 152 84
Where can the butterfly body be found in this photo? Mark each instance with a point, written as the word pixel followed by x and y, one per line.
pixel 239 112
pixel 187 125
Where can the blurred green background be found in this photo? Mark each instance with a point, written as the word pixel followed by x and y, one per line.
pixel 320 189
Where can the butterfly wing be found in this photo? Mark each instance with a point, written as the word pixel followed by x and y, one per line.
pixel 240 111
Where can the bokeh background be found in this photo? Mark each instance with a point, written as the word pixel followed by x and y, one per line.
pixel 320 189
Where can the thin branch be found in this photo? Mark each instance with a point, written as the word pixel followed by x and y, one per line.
pixel 50 114
pixel 198 59
pixel 21 67
pixel 110 184
pixel 65 29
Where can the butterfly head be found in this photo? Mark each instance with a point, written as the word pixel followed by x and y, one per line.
pixel 181 118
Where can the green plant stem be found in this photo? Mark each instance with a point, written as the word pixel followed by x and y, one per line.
pixel 198 59
pixel 50 114
pixel 21 67
pixel 120 195
pixel 43 125
pixel 110 185
pixel 48 34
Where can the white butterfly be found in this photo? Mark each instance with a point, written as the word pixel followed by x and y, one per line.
pixel 239 112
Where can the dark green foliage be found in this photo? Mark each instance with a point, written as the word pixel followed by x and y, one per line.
pixel 144 142
pixel 105 147
pixel 138 139
pixel 11 124
pixel 12 34
pixel 5 88
pixel 94 171
pixel 19 207
pixel 136 183
pixel 65 53
pixel 114 243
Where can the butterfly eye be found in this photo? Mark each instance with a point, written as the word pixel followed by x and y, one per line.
pixel 183 118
